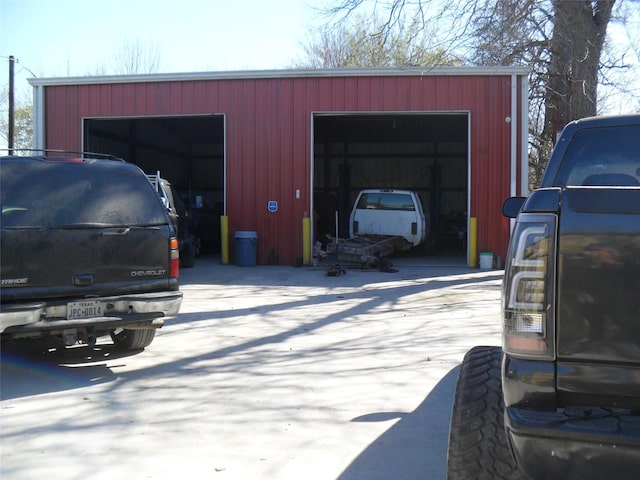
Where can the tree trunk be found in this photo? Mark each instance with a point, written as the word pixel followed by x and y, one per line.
pixel 579 30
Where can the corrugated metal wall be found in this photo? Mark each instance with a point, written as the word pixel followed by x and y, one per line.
pixel 268 137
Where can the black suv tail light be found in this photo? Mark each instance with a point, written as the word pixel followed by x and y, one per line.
pixel 529 288
pixel 175 257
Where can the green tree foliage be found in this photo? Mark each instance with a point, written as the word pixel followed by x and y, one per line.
pixel 23 123
pixel 23 129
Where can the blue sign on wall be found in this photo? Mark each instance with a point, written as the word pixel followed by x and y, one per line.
pixel 272 206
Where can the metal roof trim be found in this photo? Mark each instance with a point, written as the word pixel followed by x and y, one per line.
pixel 267 74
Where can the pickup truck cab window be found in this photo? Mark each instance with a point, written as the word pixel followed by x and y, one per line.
pixel 602 157
pixel 387 201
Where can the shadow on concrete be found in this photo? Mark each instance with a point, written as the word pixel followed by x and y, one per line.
pixel 25 372
pixel 416 446
pixel 26 369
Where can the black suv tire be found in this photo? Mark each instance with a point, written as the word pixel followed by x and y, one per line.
pixel 478 446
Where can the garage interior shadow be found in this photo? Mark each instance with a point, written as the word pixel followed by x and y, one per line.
pixel 416 446
pixel 427 153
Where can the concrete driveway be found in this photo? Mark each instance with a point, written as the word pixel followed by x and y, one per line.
pixel 268 373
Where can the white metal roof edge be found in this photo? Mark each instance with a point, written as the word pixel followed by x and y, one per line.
pixel 296 73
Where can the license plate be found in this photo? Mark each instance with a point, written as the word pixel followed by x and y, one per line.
pixel 87 309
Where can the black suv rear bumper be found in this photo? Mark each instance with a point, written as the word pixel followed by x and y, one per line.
pixel 559 444
pixel 142 309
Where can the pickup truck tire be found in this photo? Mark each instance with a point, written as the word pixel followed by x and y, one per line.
pixel 477 441
pixel 133 339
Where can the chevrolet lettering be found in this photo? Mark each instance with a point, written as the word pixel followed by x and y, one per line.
pixel 147 273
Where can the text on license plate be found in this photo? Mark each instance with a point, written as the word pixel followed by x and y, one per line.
pixel 87 309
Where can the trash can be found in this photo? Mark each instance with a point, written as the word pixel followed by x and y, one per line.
pixel 246 248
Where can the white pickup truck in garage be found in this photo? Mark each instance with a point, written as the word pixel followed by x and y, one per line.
pixel 389 213
pixel 383 221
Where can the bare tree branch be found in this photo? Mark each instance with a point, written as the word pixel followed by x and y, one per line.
pixel 368 42
pixel 561 41
pixel 134 58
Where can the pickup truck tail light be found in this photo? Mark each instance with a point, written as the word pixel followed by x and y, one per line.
pixel 175 258
pixel 529 288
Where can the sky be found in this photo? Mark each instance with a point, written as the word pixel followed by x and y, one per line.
pixel 59 38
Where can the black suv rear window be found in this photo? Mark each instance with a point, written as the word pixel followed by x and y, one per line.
pixel 36 193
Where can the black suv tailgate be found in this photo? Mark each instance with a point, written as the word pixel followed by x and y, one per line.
pixel 86 261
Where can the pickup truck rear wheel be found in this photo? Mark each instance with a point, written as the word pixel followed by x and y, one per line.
pixel 478 445
pixel 125 339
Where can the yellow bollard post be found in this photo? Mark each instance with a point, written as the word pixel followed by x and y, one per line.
pixel 306 239
pixel 473 242
pixel 224 239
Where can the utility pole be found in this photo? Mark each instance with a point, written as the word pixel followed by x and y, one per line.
pixel 12 61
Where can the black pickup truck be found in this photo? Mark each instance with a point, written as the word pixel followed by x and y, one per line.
pixel 87 249
pixel 561 398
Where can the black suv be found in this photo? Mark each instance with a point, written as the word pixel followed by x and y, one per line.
pixel 87 249
pixel 561 398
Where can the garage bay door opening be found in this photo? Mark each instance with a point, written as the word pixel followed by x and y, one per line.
pixel 188 151
pixel 423 152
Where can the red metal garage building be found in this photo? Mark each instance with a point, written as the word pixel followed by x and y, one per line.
pixel 259 145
